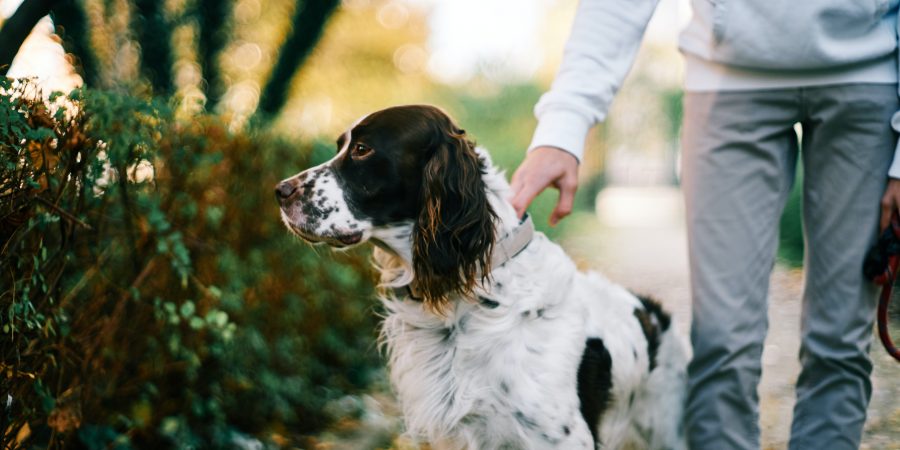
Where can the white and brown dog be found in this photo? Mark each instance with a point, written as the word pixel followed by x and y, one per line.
pixel 495 340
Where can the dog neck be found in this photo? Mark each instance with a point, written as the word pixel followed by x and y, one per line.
pixel 393 252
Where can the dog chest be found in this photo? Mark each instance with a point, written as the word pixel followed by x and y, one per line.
pixel 489 375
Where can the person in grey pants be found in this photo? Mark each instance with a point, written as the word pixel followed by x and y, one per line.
pixel 755 68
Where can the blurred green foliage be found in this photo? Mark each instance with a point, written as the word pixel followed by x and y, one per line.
pixel 150 296
pixel 790 237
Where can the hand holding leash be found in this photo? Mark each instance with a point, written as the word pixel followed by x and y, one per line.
pixel 881 266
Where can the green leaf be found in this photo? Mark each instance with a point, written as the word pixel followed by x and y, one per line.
pixel 196 323
pixel 187 309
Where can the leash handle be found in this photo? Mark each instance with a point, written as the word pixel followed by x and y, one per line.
pixel 883 332
pixel 886 280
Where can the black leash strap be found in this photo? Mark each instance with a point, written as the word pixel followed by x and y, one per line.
pixel 881 266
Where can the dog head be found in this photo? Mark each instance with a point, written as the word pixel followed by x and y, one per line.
pixel 400 166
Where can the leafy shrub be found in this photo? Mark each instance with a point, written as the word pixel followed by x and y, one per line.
pixel 149 294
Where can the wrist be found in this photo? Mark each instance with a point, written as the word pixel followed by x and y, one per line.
pixel 561 129
pixel 556 153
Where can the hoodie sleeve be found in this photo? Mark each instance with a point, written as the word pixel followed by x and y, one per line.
pixel 894 171
pixel 602 46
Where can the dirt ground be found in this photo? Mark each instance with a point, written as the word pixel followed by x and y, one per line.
pixel 653 260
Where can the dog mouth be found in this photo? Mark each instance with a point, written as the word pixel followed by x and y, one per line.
pixel 350 239
pixel 337 239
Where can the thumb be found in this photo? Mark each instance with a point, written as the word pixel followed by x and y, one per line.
pixel 515 184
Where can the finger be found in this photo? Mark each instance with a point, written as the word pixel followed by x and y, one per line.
pixel 525 196
pixel 565 203
pixel 886 211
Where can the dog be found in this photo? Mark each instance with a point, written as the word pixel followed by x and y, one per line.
pixel 494 339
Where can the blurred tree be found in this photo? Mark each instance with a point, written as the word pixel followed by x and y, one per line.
pixel 71 25
pixel 154 34
pixel 152 26
pixel 374 54
pixel 212 21
pixel 306 28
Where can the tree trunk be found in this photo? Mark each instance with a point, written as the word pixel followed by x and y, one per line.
pixel 71 25
pixel 309 20
pixel 18 27
pixel 154 36
pixel 212 18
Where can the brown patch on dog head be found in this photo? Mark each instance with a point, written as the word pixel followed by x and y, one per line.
pixel 414 164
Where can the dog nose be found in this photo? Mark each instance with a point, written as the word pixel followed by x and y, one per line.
pixel 284 190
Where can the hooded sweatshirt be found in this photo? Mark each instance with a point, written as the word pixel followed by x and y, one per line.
pixel 729 45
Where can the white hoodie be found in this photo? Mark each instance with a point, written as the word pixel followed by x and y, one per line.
pixel 728 45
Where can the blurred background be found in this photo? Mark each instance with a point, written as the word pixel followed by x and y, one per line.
pixel 150 297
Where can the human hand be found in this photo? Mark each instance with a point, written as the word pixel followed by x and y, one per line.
pixel 545 166
pixel 890 202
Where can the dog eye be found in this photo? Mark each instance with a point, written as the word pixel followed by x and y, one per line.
pixel 361 151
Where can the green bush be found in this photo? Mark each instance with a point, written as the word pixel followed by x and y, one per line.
pixel 150 297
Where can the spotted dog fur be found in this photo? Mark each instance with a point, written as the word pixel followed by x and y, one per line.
pixel 537 355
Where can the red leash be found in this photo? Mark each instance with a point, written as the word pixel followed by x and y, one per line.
pixel 886 280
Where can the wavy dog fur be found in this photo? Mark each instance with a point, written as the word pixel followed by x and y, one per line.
pixel 454 232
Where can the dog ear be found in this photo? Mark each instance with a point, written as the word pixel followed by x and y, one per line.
pixel 454 233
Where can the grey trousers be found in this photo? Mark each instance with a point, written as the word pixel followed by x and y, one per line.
pixel 740 154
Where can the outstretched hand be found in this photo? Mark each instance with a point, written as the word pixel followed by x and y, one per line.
pixel 544 167
pixel 890 202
